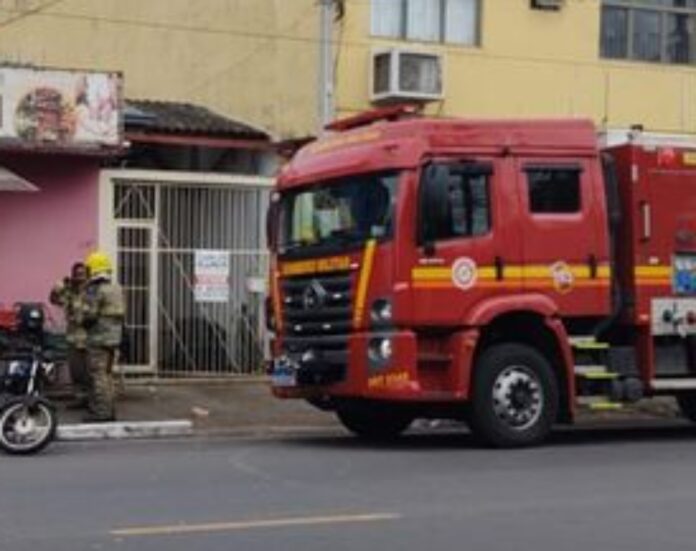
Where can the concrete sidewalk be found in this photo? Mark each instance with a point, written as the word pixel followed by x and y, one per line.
pixel 236 406
pixel 245 406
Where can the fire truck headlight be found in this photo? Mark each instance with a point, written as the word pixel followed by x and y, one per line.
pixel 381 311
pixel 381 349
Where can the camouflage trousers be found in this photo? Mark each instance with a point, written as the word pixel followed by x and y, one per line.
pixel 100 393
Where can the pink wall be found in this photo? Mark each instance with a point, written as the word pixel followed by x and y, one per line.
pixel 43 233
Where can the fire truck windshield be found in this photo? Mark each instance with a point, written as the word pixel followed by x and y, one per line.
pixel 335 214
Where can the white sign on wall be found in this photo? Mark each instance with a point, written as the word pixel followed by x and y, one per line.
pixel 211 275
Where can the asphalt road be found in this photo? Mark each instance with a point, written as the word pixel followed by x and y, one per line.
pixel 604 489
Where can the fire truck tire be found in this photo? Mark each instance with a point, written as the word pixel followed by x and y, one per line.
pixel 515 396
pixel 372 421
pixel 687 405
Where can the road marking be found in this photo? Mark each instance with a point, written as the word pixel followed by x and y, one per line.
pixel 176 529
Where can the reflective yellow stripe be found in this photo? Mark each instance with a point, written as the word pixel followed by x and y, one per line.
pixel 512 272
pixel 431 273
pixel 654 282
pixel 533 271
pixel 489 272
pixel 365 273
pixel 653 271
pixel 580 271
pixel 604 271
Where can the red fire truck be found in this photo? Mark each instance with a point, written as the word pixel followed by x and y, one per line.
pixel 504 273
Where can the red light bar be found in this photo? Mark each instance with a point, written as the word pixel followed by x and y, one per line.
pixel 667 157
pixel 391 113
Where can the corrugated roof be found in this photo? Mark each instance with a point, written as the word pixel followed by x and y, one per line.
pixel 170 117
pixel 10 181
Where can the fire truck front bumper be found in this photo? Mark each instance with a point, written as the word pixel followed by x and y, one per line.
pixel 375 364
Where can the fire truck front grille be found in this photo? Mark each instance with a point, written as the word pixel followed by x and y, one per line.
pixel 317 314
pixel 319 305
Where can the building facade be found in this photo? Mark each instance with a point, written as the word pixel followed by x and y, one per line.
pixel 252 60
pixel 621 62
pixel 173 192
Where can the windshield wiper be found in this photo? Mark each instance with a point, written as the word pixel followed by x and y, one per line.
pixel 296 244
pixel 344 236
pixel 336 237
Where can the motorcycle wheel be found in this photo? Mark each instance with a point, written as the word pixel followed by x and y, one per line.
pixel 26 428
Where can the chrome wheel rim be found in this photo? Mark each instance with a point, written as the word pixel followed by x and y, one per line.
pixel 518 399
pixel 21 428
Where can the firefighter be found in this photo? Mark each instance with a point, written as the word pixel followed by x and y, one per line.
pixel 103 321
pixel 69 296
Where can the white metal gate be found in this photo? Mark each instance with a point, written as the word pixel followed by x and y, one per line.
pixel 158 226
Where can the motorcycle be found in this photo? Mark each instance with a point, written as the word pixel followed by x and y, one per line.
pixel 28 421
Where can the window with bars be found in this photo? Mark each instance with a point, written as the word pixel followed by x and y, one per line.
pixel 451 21
pixel 661 31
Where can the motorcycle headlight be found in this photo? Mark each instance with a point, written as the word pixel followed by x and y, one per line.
pixel 18 369
pixel 382 311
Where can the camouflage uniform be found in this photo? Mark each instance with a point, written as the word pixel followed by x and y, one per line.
pixel 103 320
pixel 70 298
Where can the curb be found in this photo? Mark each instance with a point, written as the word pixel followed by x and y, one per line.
pixel 124 430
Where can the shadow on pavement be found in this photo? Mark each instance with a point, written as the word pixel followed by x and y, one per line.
pixel 624 433
pixel 597 434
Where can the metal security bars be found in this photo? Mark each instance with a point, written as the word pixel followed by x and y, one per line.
pixel 162 230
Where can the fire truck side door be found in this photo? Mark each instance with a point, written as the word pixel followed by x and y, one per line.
pixel 467 238
pixel 564 241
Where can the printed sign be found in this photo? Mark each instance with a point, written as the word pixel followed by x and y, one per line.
pixel 464 273
pixel 45 108
pixel 211 276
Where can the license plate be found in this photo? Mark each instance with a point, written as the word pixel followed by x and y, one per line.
pixel 283 374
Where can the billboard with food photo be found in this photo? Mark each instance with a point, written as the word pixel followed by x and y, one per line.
pixel 60 109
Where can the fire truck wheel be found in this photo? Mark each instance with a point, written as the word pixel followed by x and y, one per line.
pixel 372 421
pixel 687 405
pixel 515 396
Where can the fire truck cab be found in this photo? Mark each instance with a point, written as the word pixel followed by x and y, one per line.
pixel 499 272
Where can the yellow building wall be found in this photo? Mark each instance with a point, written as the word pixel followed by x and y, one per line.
pixel 254 60
pixel 531 63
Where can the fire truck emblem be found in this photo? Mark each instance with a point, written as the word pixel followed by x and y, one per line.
pixel 563 278
pixel 464 273
pixel 314 296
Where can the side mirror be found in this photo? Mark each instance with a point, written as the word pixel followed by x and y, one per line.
pixel 434 211
pixel 272 213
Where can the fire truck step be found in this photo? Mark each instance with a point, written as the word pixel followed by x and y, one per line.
pixel 599 404
pixel 587 342
pixel 606 406
pixel 594 372
pixel 673 384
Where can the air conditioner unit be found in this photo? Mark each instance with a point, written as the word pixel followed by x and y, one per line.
pixel 398 75
pixel 547 4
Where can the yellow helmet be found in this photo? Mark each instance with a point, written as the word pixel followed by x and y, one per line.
pixel 98 263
